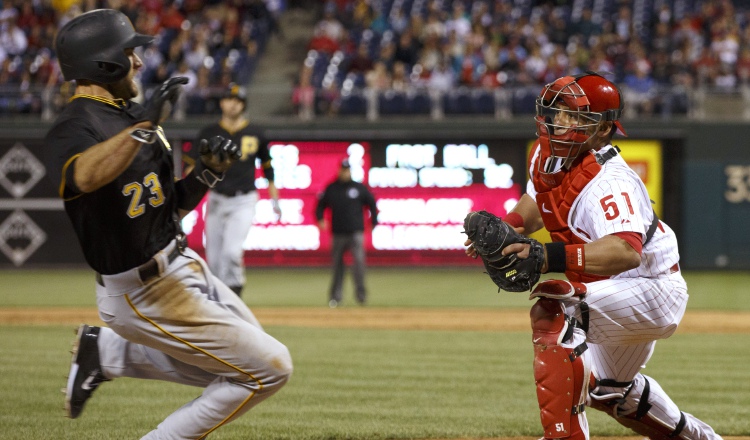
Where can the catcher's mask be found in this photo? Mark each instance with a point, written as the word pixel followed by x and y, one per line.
pixel 566 112
pixel 92 46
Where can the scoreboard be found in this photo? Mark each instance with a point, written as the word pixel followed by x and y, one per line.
pixel 423 190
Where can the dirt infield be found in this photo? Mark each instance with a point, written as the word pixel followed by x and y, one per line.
pixel 592 438
pixel 385 318
pixel 395 319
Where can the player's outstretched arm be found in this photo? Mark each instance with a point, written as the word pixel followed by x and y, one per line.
pixel 103 162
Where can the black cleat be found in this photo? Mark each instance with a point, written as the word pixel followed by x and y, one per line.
pixel 85 370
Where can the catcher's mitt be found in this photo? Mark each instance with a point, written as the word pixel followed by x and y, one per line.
pixel 490 235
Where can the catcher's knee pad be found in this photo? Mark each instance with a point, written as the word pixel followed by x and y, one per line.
pixel 561 372
pixel 642 419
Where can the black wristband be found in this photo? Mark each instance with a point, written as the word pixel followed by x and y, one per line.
pixel 190 191
pixel 206 175
pixel 556 261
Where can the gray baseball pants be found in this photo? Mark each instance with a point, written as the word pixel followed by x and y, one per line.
pixel 228 221
pixel 186 326
pixel 354 242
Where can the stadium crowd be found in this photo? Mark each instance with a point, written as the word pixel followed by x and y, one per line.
pixel 468 56
pixel 657 50
pixel 212 42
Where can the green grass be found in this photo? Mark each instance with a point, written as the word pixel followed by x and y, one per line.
pixel 366 384
pixel 444 287
pixel 363 384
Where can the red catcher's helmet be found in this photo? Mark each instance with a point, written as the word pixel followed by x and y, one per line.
pixel 590 98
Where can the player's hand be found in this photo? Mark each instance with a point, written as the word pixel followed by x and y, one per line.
pixel 276 208
pixel 470 250
pixel 520 249
pixel 322 224
pixel 219 153
pixel 160 105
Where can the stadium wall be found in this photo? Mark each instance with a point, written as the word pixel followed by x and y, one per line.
pixel 704 175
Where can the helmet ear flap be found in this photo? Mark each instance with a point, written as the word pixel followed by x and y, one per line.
pixel 112 70
pixel 113 64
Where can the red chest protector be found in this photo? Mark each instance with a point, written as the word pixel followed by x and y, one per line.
pixel 554 202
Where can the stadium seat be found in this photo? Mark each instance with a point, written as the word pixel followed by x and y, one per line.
pixel 392 102
pixel 418 102
pixel 524 101
pixel 457 101
pixel 483 101
pixel 353 103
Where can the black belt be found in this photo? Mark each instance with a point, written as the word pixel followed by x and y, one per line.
pixel 236 193
pixel 149 269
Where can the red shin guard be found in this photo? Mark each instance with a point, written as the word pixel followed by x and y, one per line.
pixel 559 373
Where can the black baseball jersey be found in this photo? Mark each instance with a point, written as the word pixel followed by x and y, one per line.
pixel 124 223
pixel 240 177
pixel 347 200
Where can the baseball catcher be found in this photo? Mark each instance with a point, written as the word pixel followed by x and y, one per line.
pixel 595 331
pixel 489 235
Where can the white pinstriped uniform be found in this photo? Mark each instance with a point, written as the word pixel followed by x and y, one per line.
pixel 630 311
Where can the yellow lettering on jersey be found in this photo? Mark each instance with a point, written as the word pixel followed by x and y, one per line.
pixel 151 181
pixel 134 190
pixel 163 137
pixel 249 145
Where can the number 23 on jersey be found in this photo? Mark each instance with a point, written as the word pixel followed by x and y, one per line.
pixel 134 190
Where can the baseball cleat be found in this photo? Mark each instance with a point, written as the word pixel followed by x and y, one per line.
pixel 85 370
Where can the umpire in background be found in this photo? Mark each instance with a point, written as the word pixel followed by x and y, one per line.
pixel 231 203
pixel 347 199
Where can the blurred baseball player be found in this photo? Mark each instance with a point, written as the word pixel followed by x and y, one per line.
pixel 231 203
pixel 594 333
pixel 168 317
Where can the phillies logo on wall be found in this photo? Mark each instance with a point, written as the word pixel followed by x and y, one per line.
pixel 20 170
pixel 20 237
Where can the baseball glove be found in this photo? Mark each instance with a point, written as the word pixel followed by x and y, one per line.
pixel 490 235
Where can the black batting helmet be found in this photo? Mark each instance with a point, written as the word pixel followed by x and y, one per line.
pixel 92 46
pixel 237 92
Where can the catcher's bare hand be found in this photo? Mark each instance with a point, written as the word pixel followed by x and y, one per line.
pixel 522 251
pixel 470 250
pixel 219 153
